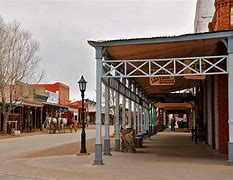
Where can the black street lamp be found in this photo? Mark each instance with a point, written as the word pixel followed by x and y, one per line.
pixel 82 87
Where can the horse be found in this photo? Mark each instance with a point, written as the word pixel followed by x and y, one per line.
pixel 57 124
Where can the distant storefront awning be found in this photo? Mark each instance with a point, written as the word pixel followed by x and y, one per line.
pixel 32 103
pixel 56 105
pixel 51 104
pixel 61 110
pixel 174 106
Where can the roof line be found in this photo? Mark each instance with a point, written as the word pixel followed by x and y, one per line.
pixel 154 40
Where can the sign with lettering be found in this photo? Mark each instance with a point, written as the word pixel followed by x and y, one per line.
pixel 53 98
pixel 195 66
pixel 162 80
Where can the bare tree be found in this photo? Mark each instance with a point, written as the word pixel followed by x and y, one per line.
pixel 19 63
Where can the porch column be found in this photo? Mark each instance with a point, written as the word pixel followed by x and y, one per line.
pixel 130 114
pixel 204 107
pixel 152 125
pixel 35 120
pixel 107 129
pixel 41 118
pixel 138 111
pixel 142 119
pixel 123 107
pixel 216 112
pixel 130 108
pixel 141 112
pixel 143 116
pixel 209 113
pixel 113 99
pixel 29 120
pixel 230 99
pixel 150 118
pixel 21 118
pixel 164 119
pixel 135 115
pixel 117 136
pixel 154 120
pixel 147 120
pixel 138 118
pixel 194 117
pixel 98 145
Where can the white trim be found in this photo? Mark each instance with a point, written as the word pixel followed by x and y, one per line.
pixel 178 67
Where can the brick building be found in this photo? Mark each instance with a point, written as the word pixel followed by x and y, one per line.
pixel 78 106
pixel 27 116
pixel 223 16
pixel 202 61
pixel 63 90
pixel 37 102
pixel 222 20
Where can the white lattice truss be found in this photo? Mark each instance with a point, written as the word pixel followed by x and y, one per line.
pixel 208 65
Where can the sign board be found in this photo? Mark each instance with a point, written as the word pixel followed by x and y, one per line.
pixel 196 67
pixel 41 91
pixel 173 97
pixel 162 80
pixel 172 100
pixel 53 98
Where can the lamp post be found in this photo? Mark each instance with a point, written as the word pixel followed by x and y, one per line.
pixel 82 87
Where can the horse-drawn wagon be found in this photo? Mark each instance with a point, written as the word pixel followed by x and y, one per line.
pixel 60 122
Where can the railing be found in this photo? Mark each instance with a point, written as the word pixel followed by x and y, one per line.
pixel 192 66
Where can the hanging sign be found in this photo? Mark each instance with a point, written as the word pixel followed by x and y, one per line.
pixel 162 80
pixel 196 67
pixel 53 98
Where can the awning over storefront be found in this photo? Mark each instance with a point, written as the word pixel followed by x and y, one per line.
pixel 173 106
pixel 166 51
pixel 138 69
pixel 32 103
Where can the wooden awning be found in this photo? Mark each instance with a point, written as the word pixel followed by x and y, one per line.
pixel 183 46
pixel 174 106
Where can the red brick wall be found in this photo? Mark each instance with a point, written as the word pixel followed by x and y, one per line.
pixel 222 17
pixel 64 94
pixel 222 21
pixel 50 87
pixel 63 91
pixel 223 113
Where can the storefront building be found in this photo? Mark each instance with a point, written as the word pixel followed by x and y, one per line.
pixel 200 61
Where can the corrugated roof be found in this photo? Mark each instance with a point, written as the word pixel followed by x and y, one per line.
pixel 94 42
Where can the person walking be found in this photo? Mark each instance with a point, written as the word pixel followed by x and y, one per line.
pixel 173 124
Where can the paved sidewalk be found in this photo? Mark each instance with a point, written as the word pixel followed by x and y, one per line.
pixel 166 156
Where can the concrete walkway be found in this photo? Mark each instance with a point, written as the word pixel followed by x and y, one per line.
pixel 166 156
